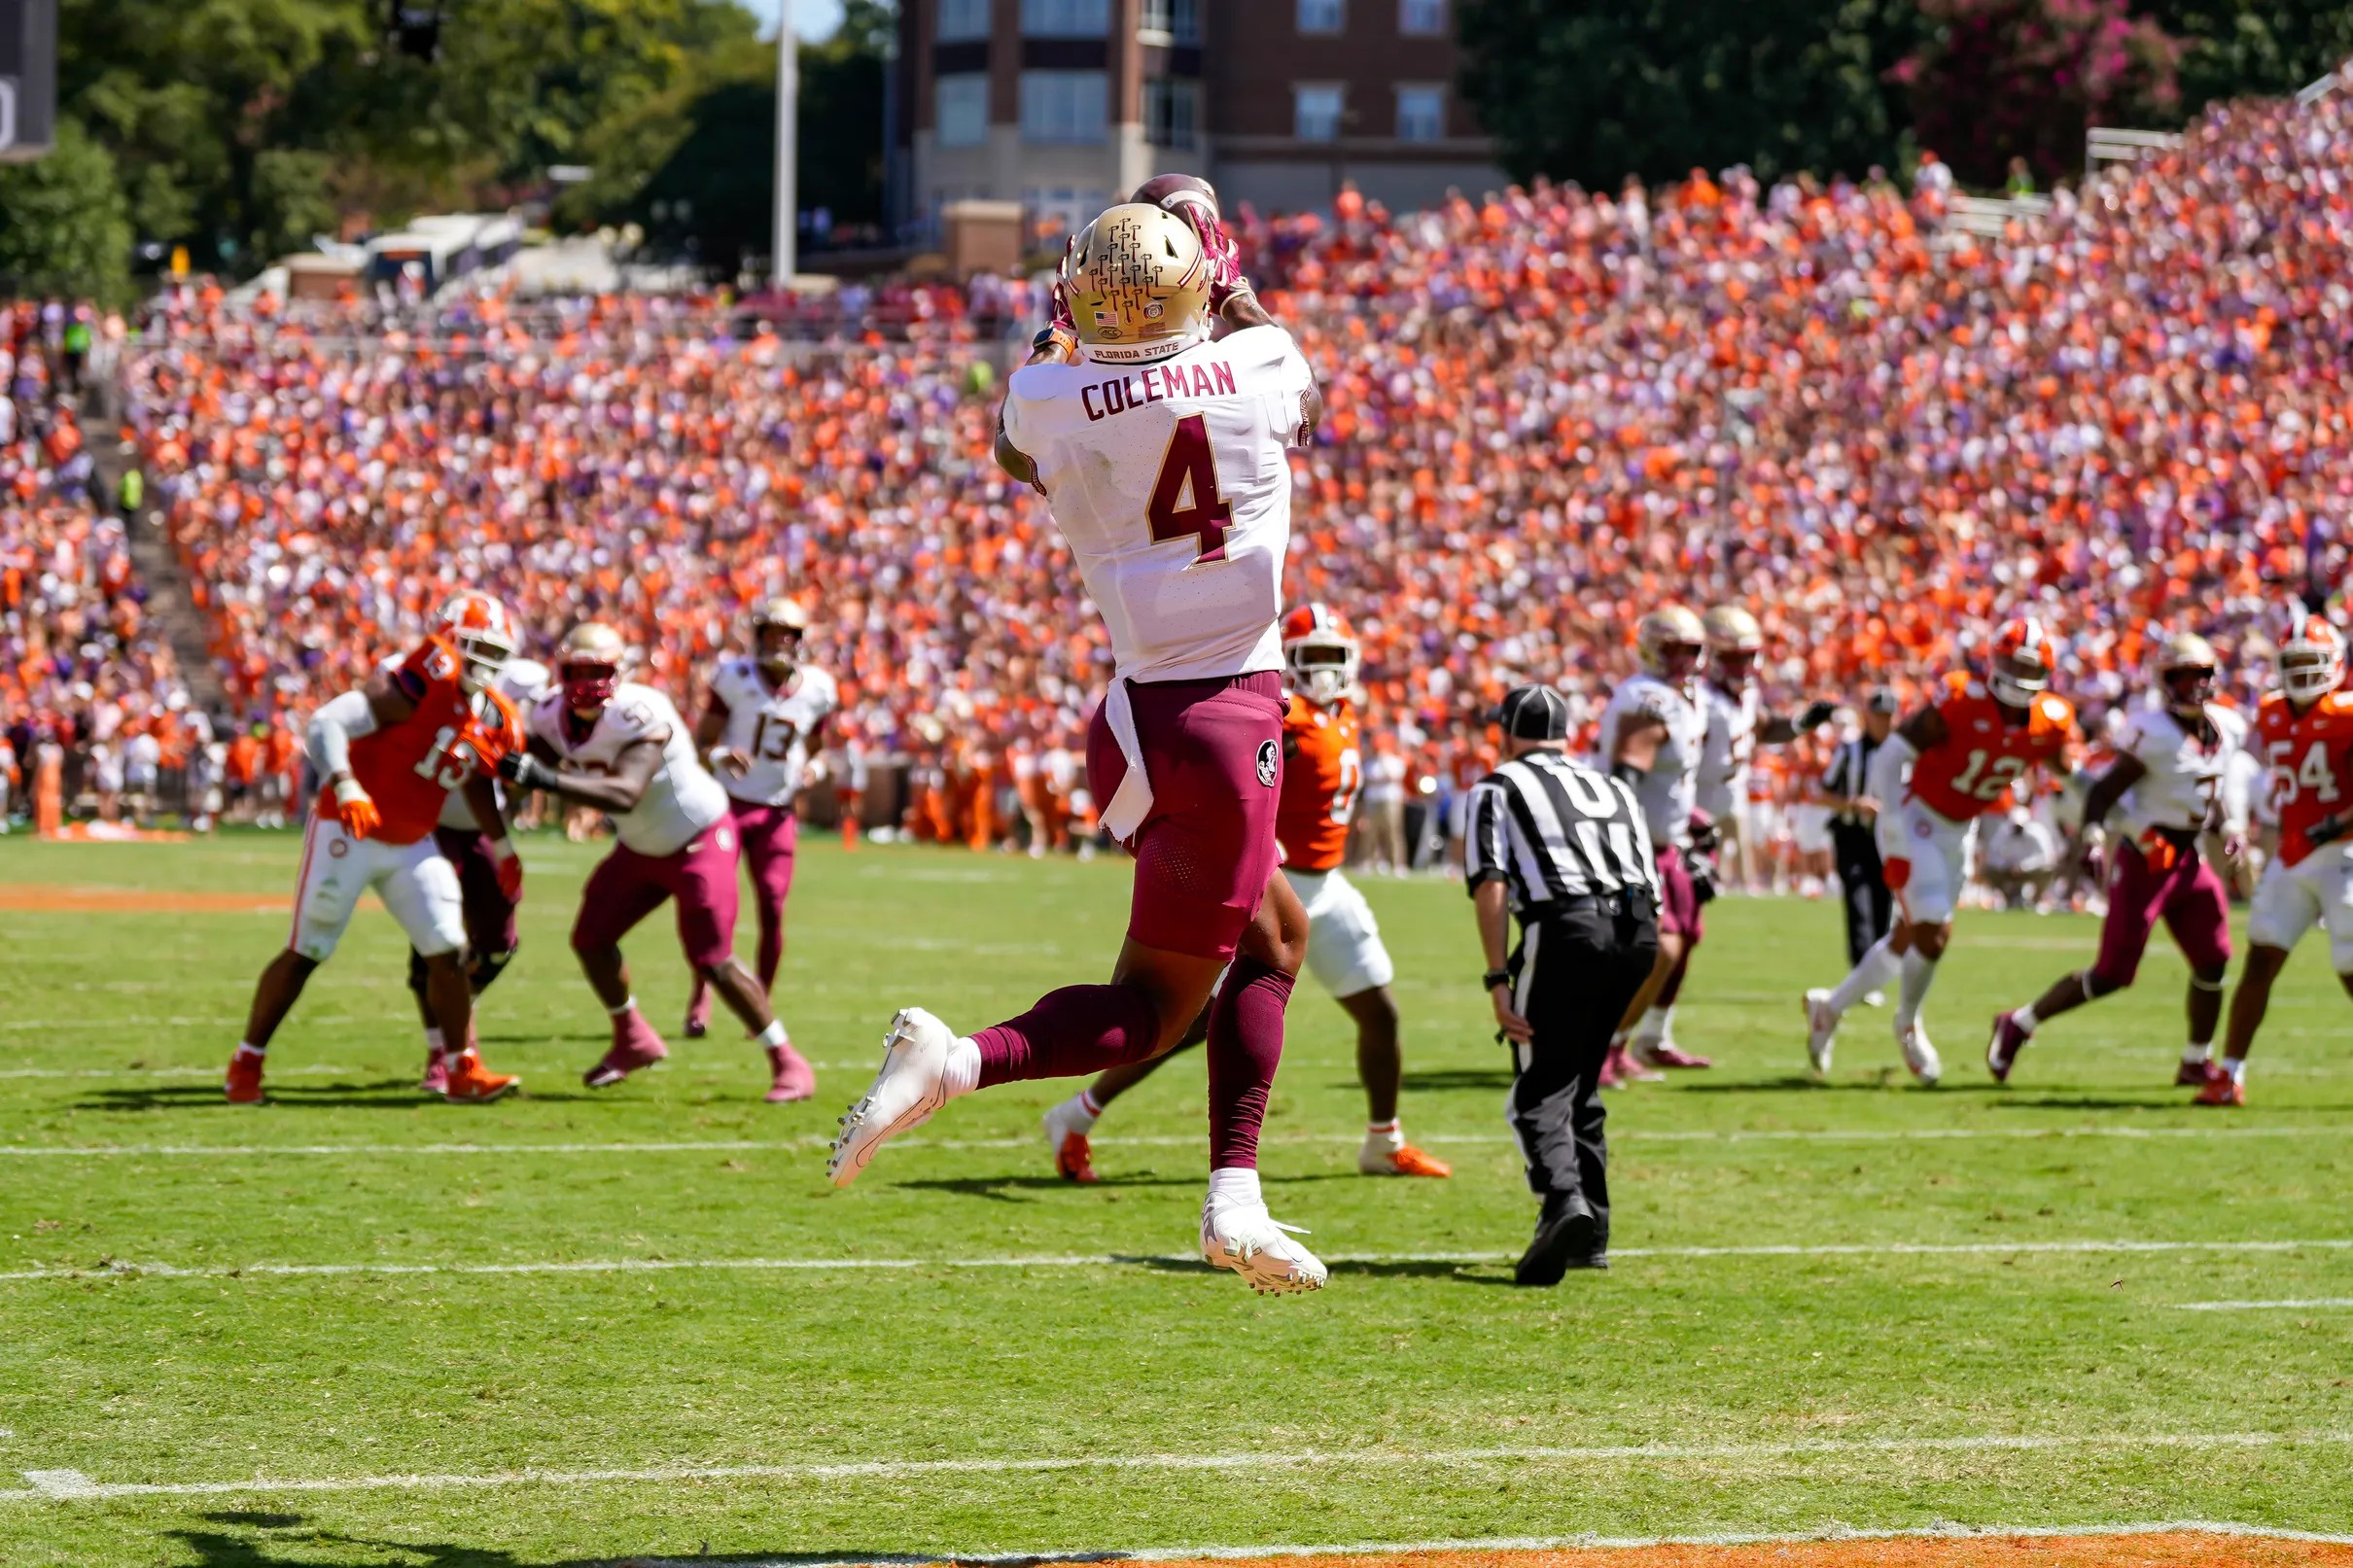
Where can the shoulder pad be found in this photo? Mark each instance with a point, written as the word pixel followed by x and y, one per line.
pixel 2056 712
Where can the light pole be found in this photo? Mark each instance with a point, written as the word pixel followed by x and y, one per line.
pixel 788 148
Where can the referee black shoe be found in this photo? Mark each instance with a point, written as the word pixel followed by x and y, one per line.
pixel 1565 1231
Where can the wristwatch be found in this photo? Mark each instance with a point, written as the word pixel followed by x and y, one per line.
pixel 1494 978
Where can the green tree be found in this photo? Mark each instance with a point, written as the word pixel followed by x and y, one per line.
pixel 1596 90
pixel 2239 47
pixel 64 227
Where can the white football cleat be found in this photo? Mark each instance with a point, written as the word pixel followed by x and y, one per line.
pixel 1253 1243
pixel 911 1085
pixel 1822 1028
pixel 1919 1054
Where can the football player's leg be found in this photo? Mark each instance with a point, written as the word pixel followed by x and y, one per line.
pixel 327 890
pixel 770 843
pixel 491 936
pixel 623 890
pixel 2284 908
pixel 2198 915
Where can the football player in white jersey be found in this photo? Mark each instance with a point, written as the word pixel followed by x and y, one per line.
pixel 763 730
pixel 622 749
pixel 1161 454
pixel 2168 776
pixel 1653 733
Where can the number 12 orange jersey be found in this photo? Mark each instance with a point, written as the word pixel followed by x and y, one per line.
pixel 410 768
pixel 1323 772
pixel 2310 760
pixel 1970 771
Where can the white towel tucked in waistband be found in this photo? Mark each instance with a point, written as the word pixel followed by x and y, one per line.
pixel 1124 813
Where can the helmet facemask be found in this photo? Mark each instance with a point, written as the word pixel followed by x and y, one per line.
pixel 2016 680
pixel 2310 670
pixel 1322 670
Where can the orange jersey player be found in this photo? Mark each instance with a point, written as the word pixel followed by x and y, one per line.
pixel 2304 734
pixel 1965 752
pixel 389 755
pixel 1322 775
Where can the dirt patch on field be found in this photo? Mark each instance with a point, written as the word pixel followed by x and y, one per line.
pixel 2174 1551
pixel 49 899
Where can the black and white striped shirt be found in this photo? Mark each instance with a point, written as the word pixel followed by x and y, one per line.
pixel 1850 773
pixel 1554 831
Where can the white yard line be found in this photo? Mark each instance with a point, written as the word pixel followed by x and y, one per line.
pixel 117 1268
pixel 245 1151
pixel 80 1487
pixel 2311 1301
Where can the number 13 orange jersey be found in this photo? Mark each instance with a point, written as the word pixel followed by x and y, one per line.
pixel 2311 758
pixel 1970 771
pixel 410 768
pixel 1323 772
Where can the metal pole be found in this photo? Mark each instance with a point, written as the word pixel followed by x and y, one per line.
pixel 784 262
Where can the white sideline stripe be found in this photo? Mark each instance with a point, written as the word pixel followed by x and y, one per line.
pixel 35 1151
pixel 2263 1307
pixel 1539 1542
pixel 915 1469
pixel 61 1483
pixel 1114 1260
pixel 306 1069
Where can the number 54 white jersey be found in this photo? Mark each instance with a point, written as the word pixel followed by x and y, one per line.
pixel 1171 483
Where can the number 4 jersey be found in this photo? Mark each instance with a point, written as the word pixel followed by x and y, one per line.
pixel 2310 755
pixel 408 769
pixel 770 728
pixel 1970 771
pixel 1322 769
pixel 1172 485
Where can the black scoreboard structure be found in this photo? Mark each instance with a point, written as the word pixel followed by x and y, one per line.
pixel 28 78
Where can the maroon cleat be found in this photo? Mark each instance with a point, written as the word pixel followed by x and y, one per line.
pixel 698 1011
pixel 2222 1090
pixel 791 1077
pixel 2197 1074
pixel 2001 1050
pixel 1661 1054
pixel 635 1046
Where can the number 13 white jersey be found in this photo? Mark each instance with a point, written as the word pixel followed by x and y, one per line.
pixel 770 728
pixel 1170 482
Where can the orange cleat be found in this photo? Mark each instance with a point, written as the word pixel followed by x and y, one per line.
pixel 2222 1090
pixel 245 1079
pixel 1074 1160
pixel 1404 1160
pixel 470 1084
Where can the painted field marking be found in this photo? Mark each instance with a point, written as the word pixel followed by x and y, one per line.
pixel 2315 1303
pixel 82 1486
pixel 116 1269
pixel 243 1151
pixel 61 1483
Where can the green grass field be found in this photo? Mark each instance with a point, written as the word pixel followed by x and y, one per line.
pixel 1929 1347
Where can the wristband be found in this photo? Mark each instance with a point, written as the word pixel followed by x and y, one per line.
pixel 501 850
pixel 348 790
pixel 1494 978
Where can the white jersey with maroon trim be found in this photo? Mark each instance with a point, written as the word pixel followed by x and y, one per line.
pixel 1667 792
pixel 2184 773
pixel 770 728
pixel 681 799
pixel 1730 748
pixel 1171 485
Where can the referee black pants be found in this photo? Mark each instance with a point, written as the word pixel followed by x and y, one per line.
pixel 1862 888
pixel 1576 971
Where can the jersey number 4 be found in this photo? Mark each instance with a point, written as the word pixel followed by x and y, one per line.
pixel 1185 499
pixel 2313 773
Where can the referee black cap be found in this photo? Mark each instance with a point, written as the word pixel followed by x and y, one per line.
pixel 1533 713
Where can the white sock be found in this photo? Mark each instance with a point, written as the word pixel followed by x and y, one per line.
pixel 435 1042
pixel 1919 970
pixel 1617 1041
pixel 2197 1051
pixel 1089 1106
pixel 773 1034
pixel 1078 1112
pixel 1872 971
pixel 1656 1025
pixel 625 1009
pixel 246 1048
pixel 1236 1184
pixel 1388 1135
pixel 964 1067
pixel 2237 1067
pixel 2023 1019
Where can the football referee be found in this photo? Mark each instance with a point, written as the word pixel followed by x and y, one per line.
pixel 1564 849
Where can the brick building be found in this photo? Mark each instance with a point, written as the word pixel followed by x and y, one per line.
pixel 1063 104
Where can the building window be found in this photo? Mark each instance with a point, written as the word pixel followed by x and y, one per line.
pixel 960 104
pixel 1056 211
pixel 1172 111
pixel 1064 108
pixel 1316 113
pixel 1065 18
pixel 1323 15
pixel 1420 19
pixel 1170 21
pixel 1420 113
pixel 961 19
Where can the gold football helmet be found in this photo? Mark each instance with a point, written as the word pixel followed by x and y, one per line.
pixel 1668 643
pixel 1138 285
pixel 2185 668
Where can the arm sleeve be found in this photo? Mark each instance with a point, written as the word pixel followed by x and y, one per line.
pixel 1834 777
pixel 337 723
pixel 1482 841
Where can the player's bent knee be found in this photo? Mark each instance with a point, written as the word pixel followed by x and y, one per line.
pixel 2108 980
pixel 2208 978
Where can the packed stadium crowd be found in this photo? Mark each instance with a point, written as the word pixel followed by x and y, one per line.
pixel 1550 412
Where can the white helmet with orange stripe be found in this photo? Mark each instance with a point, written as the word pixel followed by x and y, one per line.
pixel 479 627
pixel 2311 660
pixel 2021 663
pixel 1320 653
